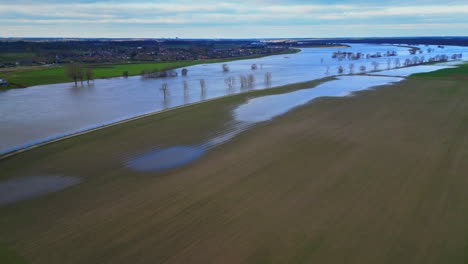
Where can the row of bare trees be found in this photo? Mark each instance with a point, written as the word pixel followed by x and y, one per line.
pixel 416 60
pixel 246 81
pixel 254 67
pixel 78 72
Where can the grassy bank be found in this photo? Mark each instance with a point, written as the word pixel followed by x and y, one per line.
pixel 375 178
pixel 55 74
pixel 459 72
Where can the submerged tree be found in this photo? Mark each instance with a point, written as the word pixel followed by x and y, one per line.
pixel 267 79
pixel 185 88
pixel 89 74
pixel 184 72
pixel 243 82
pixel 230 81
pixel 340 69
pixel 253 67
pixel 251 80
pixel 225 67
pixel 164 90
pixel 202 87
pixel 74 71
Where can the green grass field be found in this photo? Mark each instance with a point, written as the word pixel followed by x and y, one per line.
pixel 460 72
pixel 51 75
pixel 12 57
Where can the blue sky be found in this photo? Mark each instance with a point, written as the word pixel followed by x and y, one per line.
pixel 232 19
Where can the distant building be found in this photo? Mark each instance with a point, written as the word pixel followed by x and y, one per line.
pixel 3 82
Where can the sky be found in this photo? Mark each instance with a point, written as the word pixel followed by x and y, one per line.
pixel 232 18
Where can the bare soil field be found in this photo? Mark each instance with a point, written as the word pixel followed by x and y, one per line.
pixel 380 177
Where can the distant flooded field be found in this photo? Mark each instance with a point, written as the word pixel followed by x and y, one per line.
pixel 40 113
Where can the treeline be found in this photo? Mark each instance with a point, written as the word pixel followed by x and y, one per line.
pixel 78 72
pixel 454 41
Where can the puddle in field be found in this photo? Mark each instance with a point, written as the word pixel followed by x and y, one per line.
pixel 166 158
pixel 19 189
pixel 255 110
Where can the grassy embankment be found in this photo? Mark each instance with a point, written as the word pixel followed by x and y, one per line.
pixel 375 178
pixel 458 73
pixel 30 76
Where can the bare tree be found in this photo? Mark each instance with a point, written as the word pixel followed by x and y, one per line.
pixel 340 69
pixel 267 79
pixel 202 87
pixel 243 81
pixel 185 88
pixel 74 71
pixel 327 72
pixel 230 81
pixel 375 64
pixel 407 63
pixel 250 80
pixel 225 68
pixel 164 90
pixel 397 63
pixel 89 74
pixel 351 68
pixel 389 63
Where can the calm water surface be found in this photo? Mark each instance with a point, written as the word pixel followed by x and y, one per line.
pixel 255 110
pixel 40 113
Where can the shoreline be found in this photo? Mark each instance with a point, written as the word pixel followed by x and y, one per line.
pixel 26 147
pixel 189 63
pixel 86 131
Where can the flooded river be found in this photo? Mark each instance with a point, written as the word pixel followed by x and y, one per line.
pixel 40 113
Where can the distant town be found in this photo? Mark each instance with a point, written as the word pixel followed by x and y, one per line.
pixel 41 52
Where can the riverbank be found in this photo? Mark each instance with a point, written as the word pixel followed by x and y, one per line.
pixel 231 98
pixel 346 181
pixel 30 76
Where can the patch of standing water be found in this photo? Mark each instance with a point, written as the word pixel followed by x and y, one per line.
pixel 267 107
pixel 165 159
pixel 19 189
pixel 407 71
pixel 255 110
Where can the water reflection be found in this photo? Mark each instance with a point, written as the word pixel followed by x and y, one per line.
pixel 255 110
pixel 38 113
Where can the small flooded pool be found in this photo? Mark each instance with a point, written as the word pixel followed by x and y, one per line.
pixel 267 107
pixel 16 190
pixel 165 159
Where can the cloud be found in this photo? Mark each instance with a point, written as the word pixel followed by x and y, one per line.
pixel 333 15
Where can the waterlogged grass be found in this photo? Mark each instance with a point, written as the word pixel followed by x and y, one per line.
pixel 51 75
pixel 460 72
